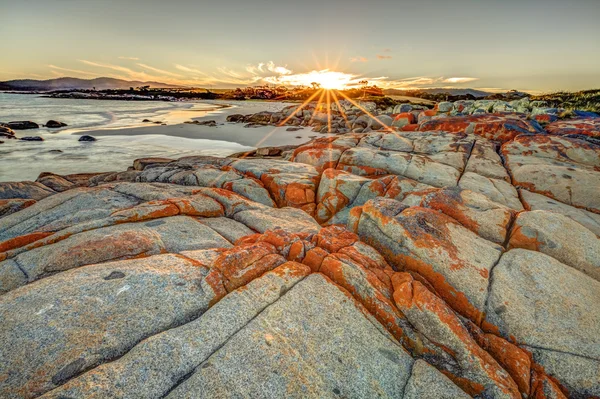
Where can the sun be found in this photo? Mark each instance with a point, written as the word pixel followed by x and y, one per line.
pixel 325 79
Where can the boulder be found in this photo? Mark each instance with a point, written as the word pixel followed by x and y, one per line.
pixel 86 137
pixel 22 125
pixel 55 124
pixel 32 138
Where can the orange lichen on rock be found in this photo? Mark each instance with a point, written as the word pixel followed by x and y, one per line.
pixel 334 238
pixel 23 240
pixel 146 211
pixel 244 263
pixel 436 320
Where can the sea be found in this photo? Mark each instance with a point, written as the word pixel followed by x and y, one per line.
pixel 62 153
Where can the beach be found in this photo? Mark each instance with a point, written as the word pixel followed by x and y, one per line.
pixel 122 136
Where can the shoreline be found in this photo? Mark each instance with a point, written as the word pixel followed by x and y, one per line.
pixel 118 147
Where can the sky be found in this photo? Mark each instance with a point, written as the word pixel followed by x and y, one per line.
pixel 535 45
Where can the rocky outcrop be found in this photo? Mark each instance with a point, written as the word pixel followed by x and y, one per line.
pixel 457 263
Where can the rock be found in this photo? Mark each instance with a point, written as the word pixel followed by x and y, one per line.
pixel 86 137
pixel 143 163
pixel 293 129
pixel 535 201
pixel 545 304
pixel 22 125
pixel 55 182
pixel 492 127
pixel 235 118
pixel 24 190
pixel 202 123
pixel 430 315
pixel 427 382
pixel 403 119
pixel 560 237
pixel 173 354
pixel 31 138
pixel 8 206
pixel 453 259
pixel 7 132
pixel 558 167
pixel 283 344
pixel 146 121
pixel 55 124
pixel 139 297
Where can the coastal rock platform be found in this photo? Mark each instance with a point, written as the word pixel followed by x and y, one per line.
pixel 461 259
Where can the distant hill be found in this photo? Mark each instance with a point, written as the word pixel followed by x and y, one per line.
pixel 454 92
pixel 75 83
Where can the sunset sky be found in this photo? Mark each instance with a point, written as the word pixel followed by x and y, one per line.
pixel 537 45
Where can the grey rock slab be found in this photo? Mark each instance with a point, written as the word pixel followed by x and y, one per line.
pixel 155 365
pixel 11 276
pixel 289 219
pixel 60 326
pixel 228 228
pixel 184 233
pixel 560 237
pixel 497 190
pixel 534 201
pixel 315 341
pixel 426 382
pixel 545 304
pixel 81 205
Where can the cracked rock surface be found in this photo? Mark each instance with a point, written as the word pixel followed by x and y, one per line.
pixel 460 259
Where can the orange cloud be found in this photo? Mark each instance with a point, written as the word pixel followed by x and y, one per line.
pixel 384 57
pixel 358 59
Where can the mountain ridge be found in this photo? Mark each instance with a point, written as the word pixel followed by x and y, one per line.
pixel 68 83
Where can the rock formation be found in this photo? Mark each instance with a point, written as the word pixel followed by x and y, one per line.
pixel 457 262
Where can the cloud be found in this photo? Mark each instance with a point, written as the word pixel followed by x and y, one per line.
pixel 384 57
pixel 459 80
pixel 57 68
pixel 189 70
pixel 264 67
pixel 175 75
pixel 129 58
pixel 358 59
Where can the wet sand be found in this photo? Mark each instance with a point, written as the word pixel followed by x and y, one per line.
pixel 263 136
